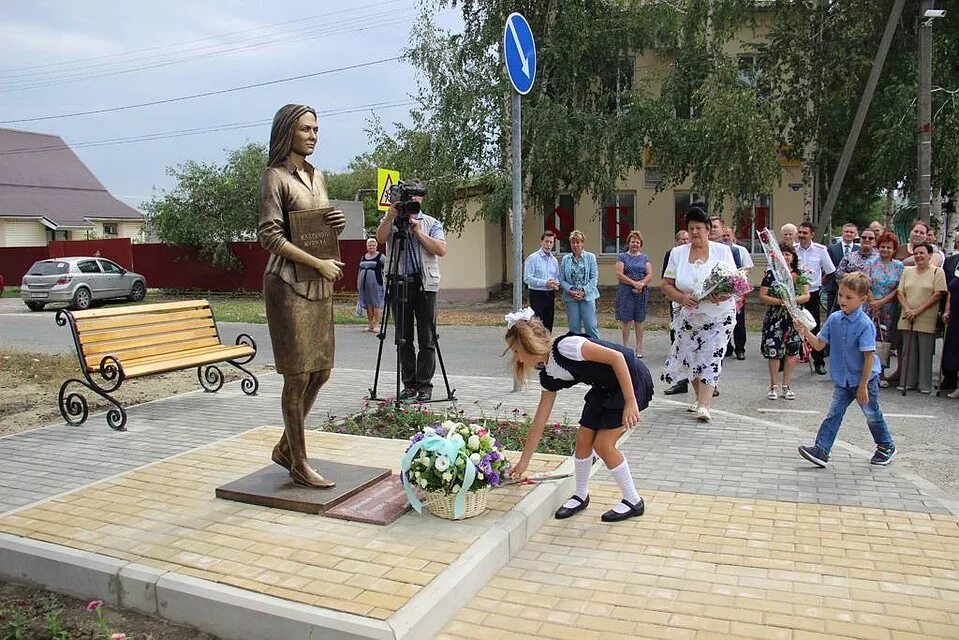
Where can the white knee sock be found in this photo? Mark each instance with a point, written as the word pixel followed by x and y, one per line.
pixel 625 481
pixel 581 468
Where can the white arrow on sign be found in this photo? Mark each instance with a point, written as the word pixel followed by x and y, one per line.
pixel 519 48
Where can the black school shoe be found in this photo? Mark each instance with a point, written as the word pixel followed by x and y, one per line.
pixel 563 512
pixel 634 510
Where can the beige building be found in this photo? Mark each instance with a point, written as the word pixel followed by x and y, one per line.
pixel 474 265
pixel 47 193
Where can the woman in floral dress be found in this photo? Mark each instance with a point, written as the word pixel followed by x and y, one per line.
pixel 884 274
pixel 781 342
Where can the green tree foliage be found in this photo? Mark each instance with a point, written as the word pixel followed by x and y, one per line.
pixel 211 205
pixel 593 112
pixel 817 56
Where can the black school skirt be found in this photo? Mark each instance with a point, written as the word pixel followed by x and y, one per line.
pixel 604 404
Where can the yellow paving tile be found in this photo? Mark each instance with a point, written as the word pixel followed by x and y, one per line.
pixel 709 567
pixel 167 516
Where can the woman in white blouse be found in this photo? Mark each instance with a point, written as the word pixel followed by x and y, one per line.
pixel 703 327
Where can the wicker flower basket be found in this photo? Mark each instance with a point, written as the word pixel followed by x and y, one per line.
pixel 441 504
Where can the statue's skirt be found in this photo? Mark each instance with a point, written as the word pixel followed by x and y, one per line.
pixel 301 330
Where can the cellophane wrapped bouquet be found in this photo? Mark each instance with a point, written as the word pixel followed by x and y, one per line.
pixel 724 280
pixel 784 286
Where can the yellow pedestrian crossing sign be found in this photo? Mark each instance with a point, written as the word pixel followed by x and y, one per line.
pixel 385 179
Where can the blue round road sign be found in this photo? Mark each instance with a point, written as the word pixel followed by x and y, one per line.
pixel 520 51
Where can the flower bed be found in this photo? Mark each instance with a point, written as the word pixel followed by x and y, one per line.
pixel 384 420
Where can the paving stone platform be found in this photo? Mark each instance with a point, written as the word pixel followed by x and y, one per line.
pixel 741 538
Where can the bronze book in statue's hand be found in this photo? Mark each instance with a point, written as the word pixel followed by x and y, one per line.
pixel 310 232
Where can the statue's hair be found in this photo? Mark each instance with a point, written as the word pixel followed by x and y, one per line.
pixel 281 133
pixel 534 338
pixel 858 282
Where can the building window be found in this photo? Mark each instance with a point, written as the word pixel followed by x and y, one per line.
pixel 561 222
pixel 652 178
pixel 751 74
pixel 111 229
pixel 616 219
pixel 56 235
pixel 752 217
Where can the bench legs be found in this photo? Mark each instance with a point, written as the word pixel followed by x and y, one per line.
pixel 74 409
pixel 211 378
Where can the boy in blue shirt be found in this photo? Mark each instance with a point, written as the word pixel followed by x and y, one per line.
pixel 854 368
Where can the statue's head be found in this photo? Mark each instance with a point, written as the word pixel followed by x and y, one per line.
pixel 281 134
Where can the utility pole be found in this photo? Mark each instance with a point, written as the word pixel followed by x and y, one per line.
pixel 924 181
pixel 836 186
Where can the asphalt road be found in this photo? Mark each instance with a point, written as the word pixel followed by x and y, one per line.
pixel 925 427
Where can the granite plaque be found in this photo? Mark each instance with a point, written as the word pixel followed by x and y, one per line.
pixel 271 486
pixel 380 504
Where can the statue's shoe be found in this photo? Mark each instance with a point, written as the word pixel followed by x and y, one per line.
pixel 310 479
pixel 281 457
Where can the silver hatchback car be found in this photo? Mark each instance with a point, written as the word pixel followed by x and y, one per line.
pixel 79 282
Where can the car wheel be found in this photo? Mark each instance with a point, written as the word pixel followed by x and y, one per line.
pixel 81 299
pixel 138 292
pixel 35 306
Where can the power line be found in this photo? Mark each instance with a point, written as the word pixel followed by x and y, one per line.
pixel 179 133
pixel 12 71
pixel 59 77
pixel 204 94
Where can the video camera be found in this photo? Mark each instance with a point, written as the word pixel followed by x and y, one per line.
pixel 402 194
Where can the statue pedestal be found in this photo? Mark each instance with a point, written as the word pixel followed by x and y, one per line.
pixel 271 486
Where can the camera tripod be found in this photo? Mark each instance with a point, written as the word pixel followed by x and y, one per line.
pixel 398 290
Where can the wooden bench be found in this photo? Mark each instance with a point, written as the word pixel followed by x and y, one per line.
pixel 123 343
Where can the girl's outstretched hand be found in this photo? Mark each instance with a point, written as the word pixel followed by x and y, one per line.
pixel 630 414
pixel 519 470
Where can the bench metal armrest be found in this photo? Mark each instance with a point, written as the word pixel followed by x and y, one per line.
pixel 245 339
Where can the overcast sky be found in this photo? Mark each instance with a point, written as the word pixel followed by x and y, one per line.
pixel 59 57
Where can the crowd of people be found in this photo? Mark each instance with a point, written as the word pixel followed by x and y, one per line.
pixel 911 298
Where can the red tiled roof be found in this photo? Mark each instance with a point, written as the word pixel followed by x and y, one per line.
pixel 41 176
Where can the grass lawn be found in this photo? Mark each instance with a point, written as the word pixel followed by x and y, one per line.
pixel 11 292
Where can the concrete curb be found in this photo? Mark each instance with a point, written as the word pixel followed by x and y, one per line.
pixel 237 614
pixel 438 602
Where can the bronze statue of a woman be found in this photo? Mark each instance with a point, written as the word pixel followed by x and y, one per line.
pixel 299 314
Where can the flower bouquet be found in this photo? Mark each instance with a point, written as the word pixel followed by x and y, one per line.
pixel 456 465
pixel 724 280
pixel 784 287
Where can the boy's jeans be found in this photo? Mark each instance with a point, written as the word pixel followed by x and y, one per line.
pixel 842 397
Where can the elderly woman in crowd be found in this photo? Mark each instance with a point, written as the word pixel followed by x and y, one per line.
pixel 634 271
pixel 884 274
pixel 578 278
pixel 369 283
pixel 703 327
pixel 860 259
pixel 917 236
pixel 919 291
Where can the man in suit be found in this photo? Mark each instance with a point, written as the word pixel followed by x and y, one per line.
pixel 837 251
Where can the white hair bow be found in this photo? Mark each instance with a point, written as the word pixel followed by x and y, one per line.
pixel 516 316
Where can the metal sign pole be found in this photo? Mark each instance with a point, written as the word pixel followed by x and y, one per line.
pixel 517 210
pixel 517 205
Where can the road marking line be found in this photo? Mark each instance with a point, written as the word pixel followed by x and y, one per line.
pixel 908 415
pixel 761 410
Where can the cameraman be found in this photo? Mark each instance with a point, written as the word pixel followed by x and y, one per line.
pixel 428 243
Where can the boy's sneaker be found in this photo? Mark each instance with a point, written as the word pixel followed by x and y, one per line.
pixel 772 395
pixel 883 455
pixel 788 394
pixel 815 455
